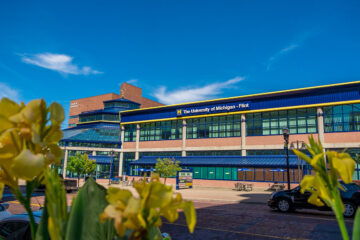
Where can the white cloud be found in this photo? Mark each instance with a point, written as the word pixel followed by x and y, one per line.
pixel 8 92
pixel 194 94
pixel 132 81
pixel 296 43
pixel 58 62
pixel 281 53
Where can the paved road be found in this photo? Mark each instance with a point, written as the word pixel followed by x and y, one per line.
pixel 255 221
pixel 249 219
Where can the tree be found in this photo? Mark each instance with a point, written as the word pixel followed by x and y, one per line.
pixel 167 167
pixel 81 164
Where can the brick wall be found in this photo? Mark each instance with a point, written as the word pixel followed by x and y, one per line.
pixel 134 93
pixel 78 106
pixel 127 91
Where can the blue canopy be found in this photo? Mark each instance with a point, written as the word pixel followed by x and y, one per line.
pixel 245 169
pixel 101 159
pixel 276 170
pixel 264 161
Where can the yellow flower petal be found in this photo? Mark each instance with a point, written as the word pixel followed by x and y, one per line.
pixel 57 114
pixel 307 182
pixel 344 167
pixel 31 112
pixel 116 196
pixel 28 165
pixel 314 199
pixel 190 215
pixel 8 107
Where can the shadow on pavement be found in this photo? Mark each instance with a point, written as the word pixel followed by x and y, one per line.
pixel 251 218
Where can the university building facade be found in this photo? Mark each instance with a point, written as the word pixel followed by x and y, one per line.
pixel 221 140
pixel 240 138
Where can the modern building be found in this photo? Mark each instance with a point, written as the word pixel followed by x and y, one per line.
pixel 94 128
pixel 127 91
pixel 240 138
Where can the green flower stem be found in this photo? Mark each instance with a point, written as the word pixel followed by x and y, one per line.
pixel 25 201
pixel 337 208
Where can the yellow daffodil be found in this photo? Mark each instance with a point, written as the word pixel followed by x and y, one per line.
pixel 343 164
pixel 29 135
pixel 143 213
pixel 27 165
pixel 324 186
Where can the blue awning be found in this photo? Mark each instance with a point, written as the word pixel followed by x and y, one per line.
pixel 101 159
pixel 265 161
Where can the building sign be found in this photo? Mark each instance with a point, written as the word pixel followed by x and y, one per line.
pixel 210 109
pixel 73 104
pixel 184 179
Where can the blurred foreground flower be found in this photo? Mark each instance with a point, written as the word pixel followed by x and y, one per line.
pixel 29 135
pixel 324 187
pixel 143 214
pixel 28 143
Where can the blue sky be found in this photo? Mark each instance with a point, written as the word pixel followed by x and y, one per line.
pixel 177 51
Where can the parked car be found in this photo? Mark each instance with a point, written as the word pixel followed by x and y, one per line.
pixel 289 200
pixel 69 185
pixel 4 213
pixel 17 226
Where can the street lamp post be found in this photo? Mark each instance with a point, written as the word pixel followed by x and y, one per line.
pixel 286 133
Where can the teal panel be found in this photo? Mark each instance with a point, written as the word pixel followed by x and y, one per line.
pixel 219 173
pixel 197 172
pixel 204 173
pixel 211 173
pixel 234 175
pixel 227 173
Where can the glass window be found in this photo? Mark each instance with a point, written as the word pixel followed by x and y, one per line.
pixel 271 123
pixel 214 127
pixel 130 133
pixel 165 130
pixel 342 118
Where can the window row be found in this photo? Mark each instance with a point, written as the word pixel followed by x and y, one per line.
pixel 100 116
pixel 130 133
pixel 214 127
pixel 342 118
pixel 271 123
pixel 165 130
pixel 90 144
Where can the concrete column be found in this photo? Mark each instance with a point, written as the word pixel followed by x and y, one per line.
pixel 183 148
pixel 65 163
pixel 320 124
pixel 121 157
pixel 243 135
pixel 137 141
pixel 94 153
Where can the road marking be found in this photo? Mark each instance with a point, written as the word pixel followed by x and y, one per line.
pixel 237 232
pixel 32 204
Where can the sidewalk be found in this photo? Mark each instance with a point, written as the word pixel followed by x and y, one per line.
pixel 210 194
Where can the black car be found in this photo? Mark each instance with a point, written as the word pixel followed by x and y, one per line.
pixel 289 200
